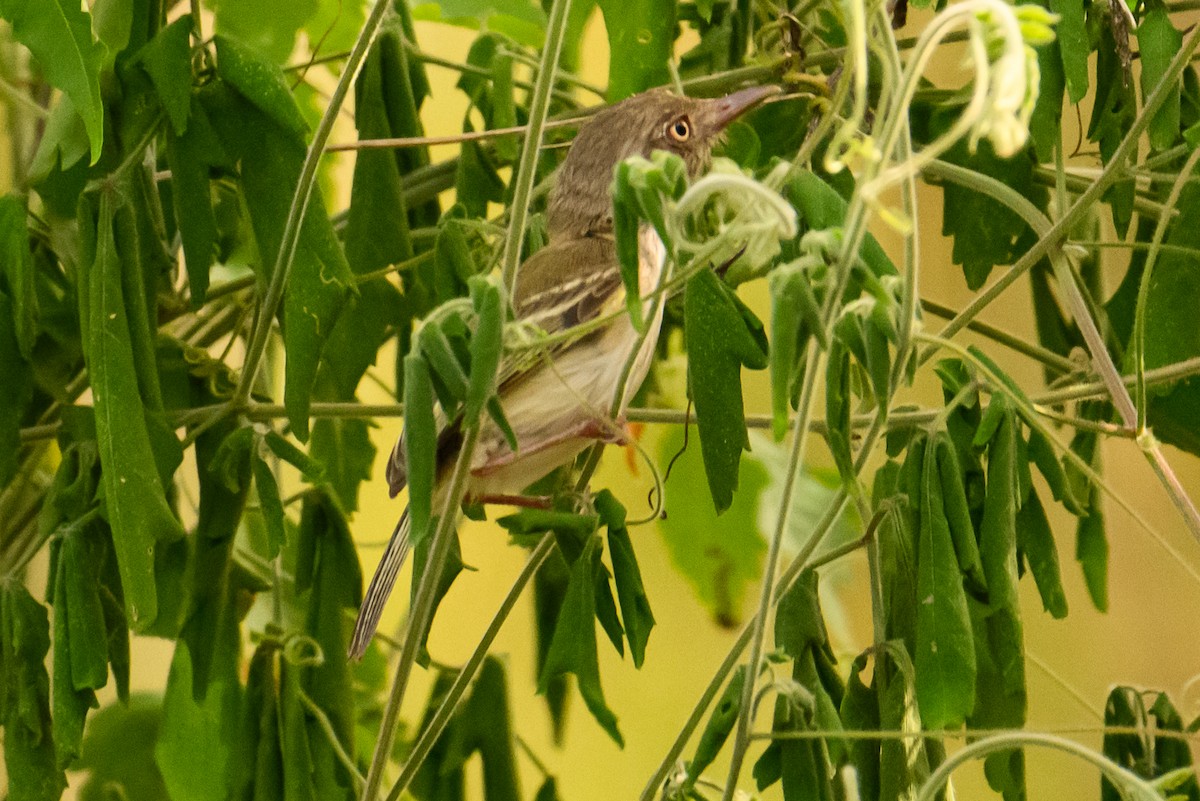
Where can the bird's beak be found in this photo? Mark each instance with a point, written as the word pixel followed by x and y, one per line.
pixel 730 107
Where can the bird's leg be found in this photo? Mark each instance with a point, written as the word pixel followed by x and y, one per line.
pixel 612 433
pixel 522 501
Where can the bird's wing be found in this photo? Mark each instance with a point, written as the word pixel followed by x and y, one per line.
pixel 563 285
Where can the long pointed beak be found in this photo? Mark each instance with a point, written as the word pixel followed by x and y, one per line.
pixel 731 106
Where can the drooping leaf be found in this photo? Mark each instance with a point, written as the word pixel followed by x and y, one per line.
pixel 420 444
pixel 59 34
pixel 1074 45
pixel 1035 539
pixel 18 271
pixel 191 157
pixel 945 653
pixel 1158 42
pixel 29 758
pixel 631 592
pixel 573 647
pixel 720 724
pixel 722 336
pixel 135 504
pixel 16 390
pixel 118 752
pixel 1045 125
pixel 1113 112
pixel 998 528
pixel 168 61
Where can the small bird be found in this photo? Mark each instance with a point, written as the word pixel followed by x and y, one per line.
pixel 559 405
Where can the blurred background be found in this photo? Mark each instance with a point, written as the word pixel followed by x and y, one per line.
pixel 1146 638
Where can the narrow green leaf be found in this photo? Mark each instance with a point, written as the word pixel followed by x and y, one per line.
pixel 29 758
pixel 1074 44
pixel 627 233
pixel 487 345
pixel 133 492
pixel 1036 541
pixel 420 444
pixel 573 647
pixel 860 712
pixel 793 311
pixel 485 726
pixel 537 521
pixel 799 624
pixel 191 156
pixel 261 82
pixel 271 506
pixel 444 365
pixel 606 608
pixel 504 108
pixel 837 412
pixel 631 592
pixel 1158 42
pixel 998 529
pixel 312 469
pixel 16 390
pixel 118 751
pixel 1045 126
pixel 722 336
pixel 945 654
pixel 720 723
pixel 958 513
pixel 18 270
pixel 167 59
pixel 59 34
pixel 80 651
pixel 1042 454
pixel 1091 550
pixel 820 207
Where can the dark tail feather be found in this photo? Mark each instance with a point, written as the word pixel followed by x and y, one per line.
pixel 380 588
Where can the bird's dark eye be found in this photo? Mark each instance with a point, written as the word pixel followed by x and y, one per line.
pixel 680 130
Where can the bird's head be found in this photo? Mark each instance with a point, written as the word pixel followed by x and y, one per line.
pixel 656 120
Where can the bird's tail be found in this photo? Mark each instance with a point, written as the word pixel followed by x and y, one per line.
pixel 380 588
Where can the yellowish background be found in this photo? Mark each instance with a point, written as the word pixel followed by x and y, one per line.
pixel 1147 638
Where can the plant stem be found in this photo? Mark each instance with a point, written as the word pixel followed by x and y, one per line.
pixel 257 346
pixel 815 359
pixel 437 724
pixel 539 107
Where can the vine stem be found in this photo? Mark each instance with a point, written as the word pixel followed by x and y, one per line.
pixel 437 724
pixel 815 359
pixel 257 347
pixel 1101 359
pixel 421 613
pixel 1124 779
pixel 539 108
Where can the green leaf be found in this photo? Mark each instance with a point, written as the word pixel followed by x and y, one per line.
pixel 343 447
pixel 1113 113
pixel 265 29
pixel 484 725
pixel 271 157
pixel 16 390
pixel 720 723
pixel 720 556
pixel 722 336
pixel 29 757
pixel 1035 539
pixel 191 157
pixel 945 654
pixel 420 445
pixel 18 270
pixel 1042 454
pixel 271 506
pixel 549 591
pixel 957 511
pixel 312 469
pixel 167 59
pixel 487 345
pixel 573 648
pixel 640 43
pixel 986 232
pixel 626 230
pixel 799 624
pixel 837 412
pixel 135 504
pixel 80 647
pixel 59 35
pixel 1158 42
pixel 998 528
pixel 860 712
pixel 537 521
pixel 1091 550
pixel 1045 126
pixel 794 317
pixel 1074 44
pixel 631 592
pixel 820 207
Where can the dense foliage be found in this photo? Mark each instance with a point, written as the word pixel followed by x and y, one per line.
pixel 185 321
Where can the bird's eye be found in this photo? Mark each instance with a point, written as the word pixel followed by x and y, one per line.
pixel 680 130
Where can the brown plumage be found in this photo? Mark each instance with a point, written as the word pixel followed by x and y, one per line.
pixel 560 404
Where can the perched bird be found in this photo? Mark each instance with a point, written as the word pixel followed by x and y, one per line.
pixel 559 405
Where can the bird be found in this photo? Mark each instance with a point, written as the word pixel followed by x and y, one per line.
pixel 559 405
